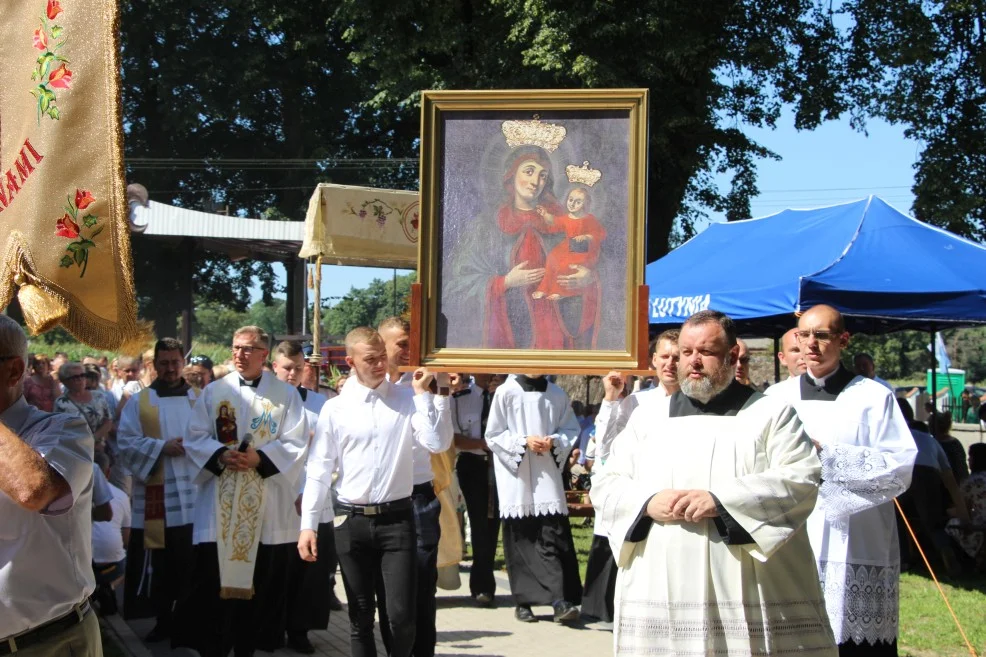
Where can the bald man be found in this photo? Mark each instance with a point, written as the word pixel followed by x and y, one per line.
pixel 743 363
pixel 867 454
pixel 790 354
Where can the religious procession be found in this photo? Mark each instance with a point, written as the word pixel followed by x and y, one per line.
pixel 597 408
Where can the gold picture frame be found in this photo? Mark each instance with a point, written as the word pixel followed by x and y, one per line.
pixel 531 250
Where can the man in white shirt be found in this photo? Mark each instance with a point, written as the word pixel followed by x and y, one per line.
pixel 790 354
pixel 867 454
pixel 310 585
pixel 531 430
pixel 601 570
pixel 109 543
pixel 247 436
pixel 45 527
pixel 151 437
pixel 366 434
pixel 474 467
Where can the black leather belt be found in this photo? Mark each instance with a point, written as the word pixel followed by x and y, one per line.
pixel 374 509
pixel 49 630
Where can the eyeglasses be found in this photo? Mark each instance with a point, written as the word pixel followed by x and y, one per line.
pixel 744 360
pixel 823 336
pixel 246 350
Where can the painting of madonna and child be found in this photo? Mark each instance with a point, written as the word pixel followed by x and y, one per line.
pixel 534 229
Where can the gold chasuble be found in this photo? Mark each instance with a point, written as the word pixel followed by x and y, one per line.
pixel 63 207
pixel 240 499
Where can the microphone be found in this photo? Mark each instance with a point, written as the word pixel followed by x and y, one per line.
pixel 245 443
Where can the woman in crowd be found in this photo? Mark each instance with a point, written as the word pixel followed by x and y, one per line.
pixel 78 400
pixel 40 388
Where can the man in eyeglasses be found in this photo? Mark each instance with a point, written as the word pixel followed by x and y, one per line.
pixel 246 437
pixel 867 454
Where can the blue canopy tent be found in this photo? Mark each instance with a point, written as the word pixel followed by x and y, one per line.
pixel 884 270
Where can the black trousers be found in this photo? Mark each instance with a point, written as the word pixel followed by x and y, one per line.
pixel 154 584
pixel 310 585
pixel 600 581
pixel 541 562
pixel 479 490
pixel 374 549
pixel 427 516
pixel 213 626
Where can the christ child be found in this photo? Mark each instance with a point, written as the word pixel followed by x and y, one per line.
pixel 581 250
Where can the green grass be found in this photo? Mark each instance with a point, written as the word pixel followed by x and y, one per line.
pixel 926 626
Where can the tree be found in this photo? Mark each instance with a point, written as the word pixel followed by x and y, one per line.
pixel 922 64
pixel 711 66
pixel 368 306
pixel 239 104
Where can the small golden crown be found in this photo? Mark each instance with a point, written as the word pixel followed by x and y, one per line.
pixel 533 133
pixel 583 174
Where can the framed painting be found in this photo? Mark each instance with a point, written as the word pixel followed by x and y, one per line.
pixel 531 246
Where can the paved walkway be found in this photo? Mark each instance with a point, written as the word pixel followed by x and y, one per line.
pixel 464 630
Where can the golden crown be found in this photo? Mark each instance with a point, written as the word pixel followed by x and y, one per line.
pixel 583 174
pixel 533 133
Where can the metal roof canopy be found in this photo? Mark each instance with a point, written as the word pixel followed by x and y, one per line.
pixel 237 237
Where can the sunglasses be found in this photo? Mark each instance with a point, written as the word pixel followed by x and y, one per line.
pixel 200 360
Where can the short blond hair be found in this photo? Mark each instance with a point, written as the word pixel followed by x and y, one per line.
pixel 362 335
pixel 395 323
pixel 260 337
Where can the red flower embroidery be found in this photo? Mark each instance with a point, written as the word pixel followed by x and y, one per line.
pixel 65 227
pixel 60 78
pixel 54 8
pixel 83 199
pixel 40 39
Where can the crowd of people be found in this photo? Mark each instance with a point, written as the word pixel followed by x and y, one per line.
pixel 223 499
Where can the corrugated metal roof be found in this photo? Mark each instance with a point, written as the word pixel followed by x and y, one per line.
pixel 238 237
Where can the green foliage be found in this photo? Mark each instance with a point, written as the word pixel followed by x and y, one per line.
pixel 367 306
pixel 967 350
pixel 215 323
pixel 899 355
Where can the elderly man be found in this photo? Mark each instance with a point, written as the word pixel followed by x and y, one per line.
pixel 704 498
pixel 600 574
pixel 790 354
pixel 246 437
pixel 367 434
pixel 867 454
pixel 45 497
pixel 153 428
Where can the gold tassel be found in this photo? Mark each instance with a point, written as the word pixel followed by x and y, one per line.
pixel 42 311
pixel 311 281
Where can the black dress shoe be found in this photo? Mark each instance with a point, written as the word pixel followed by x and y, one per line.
pixel 334 603
pixel 298 641
pixel 565 612
pixel 525 615
pixel 158 634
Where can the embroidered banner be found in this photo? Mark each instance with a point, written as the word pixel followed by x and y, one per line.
pixel 362 226
pixel 63 207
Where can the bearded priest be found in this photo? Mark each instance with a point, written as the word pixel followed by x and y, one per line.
pixel 704 499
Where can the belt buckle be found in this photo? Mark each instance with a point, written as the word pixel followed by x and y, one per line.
pixel 371 510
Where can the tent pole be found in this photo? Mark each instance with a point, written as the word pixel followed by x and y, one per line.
pixel 934 384
pixel 777 361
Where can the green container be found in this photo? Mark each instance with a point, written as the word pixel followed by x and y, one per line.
pixel 955 381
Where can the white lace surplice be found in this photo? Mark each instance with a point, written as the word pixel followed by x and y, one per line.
pixel 683 591
pixel 530 484
pixel 867 457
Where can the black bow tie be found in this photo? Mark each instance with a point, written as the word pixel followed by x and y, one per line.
pixel 250 384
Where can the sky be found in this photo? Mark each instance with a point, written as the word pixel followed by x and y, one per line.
pixel 832 164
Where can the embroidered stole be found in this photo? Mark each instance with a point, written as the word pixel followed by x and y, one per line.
pixel 154 507
pixel 240 499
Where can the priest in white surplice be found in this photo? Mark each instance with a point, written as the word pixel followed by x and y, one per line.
pixel 531 431
pixel 247 435
pixel 704 498
pixel 614 413
pixel 867 454
pixel 151 435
